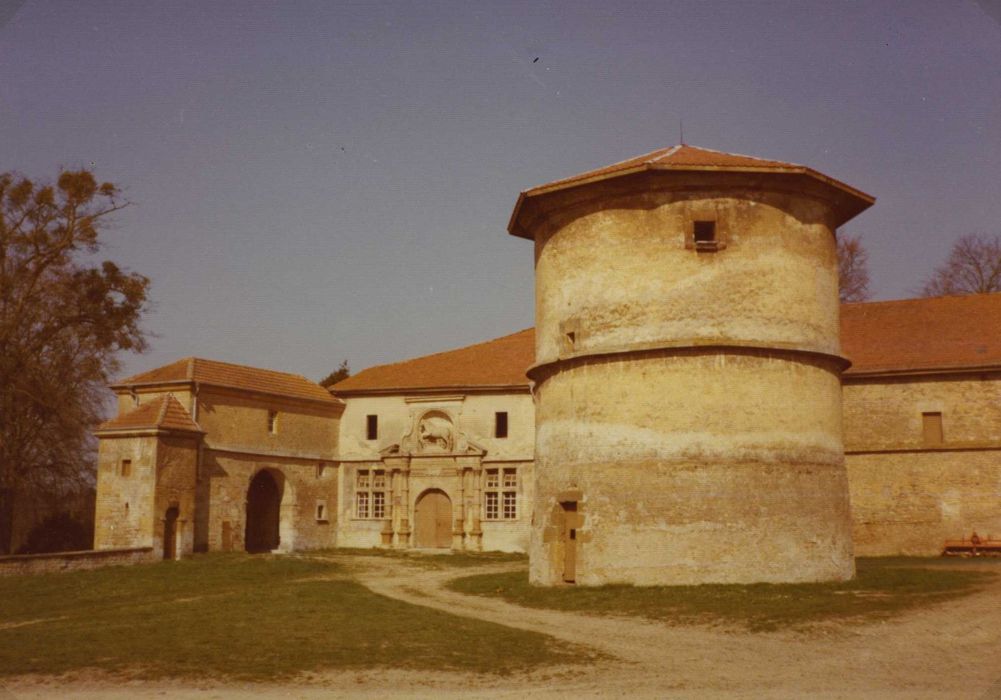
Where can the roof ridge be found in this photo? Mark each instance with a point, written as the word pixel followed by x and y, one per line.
pixel 165 403
pixel 668 152
pixel 744 155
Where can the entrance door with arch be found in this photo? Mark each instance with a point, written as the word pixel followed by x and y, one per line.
pixel 264 499
pixel 433 520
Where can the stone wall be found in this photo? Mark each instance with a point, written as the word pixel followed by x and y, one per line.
pixel 908 497
pixel 304 485
pixel 27 564
pixel 124 511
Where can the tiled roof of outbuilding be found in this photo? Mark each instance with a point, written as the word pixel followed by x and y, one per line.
pixel 922 334
pixel 495 363
pixel 164 412
pixel 910 334
pixel 195 369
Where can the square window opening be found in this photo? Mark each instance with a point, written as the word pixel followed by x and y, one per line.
pixel 704 235
pixel 500 424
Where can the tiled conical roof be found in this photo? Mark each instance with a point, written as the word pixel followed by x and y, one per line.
pixel 683 157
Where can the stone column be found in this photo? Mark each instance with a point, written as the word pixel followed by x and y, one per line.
pixel 476 533
pixel 398 524
pixel 458 529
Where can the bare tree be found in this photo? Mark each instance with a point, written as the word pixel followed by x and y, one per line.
pixel 853 269
pixel 973 267
pixel 62 322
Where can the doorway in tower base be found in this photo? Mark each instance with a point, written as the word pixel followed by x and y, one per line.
pixel 433 520
pixel 264 500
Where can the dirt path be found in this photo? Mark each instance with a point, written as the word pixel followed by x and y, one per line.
pixel 950 651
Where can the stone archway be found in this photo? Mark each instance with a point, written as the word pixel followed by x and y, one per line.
pixel 433 520
pixel 264 506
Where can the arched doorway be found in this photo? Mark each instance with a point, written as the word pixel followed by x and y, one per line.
pixel 433 520
pixel 264 499
pixel 170 533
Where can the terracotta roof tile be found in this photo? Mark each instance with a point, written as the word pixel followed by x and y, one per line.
pixel 233 376
pixel 687 158
pixel 164 412
pixel 681 156
pixel 501 363
pixel 922 334
pixel 912 334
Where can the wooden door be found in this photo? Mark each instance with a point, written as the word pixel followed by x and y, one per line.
pixel 569 537
pixel 170 534
pixel 433 520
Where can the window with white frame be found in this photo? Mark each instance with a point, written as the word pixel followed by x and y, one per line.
pixel 500 494
pixel 370 494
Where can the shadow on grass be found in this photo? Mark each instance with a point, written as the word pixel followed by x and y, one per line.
pixel 883 588
pixel 242 617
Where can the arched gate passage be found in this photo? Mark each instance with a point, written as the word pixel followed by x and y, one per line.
pixel 264 499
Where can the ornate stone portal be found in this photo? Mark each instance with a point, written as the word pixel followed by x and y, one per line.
pixel 434 455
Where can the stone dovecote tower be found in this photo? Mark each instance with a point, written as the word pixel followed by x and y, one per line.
pixel 687 374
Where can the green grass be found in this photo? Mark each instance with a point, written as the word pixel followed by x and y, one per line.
pixel 242 617
pixel 883 588
pixel 427 560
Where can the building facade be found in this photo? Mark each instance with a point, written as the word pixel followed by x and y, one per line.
pixel 681 414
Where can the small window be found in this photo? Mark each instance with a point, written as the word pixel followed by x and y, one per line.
pixel 704 235
pixel 126 467
pixel 321 510
pixel 272 422
pixel 371 427
pixel 932 426
pixel 500 424
pixel 320 466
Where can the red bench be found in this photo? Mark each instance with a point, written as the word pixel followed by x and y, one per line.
pixel 974 546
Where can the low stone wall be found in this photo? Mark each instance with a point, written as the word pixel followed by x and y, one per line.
pixel 24 564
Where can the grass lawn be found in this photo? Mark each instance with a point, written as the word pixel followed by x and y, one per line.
pixel 883 587
pixel 242 617
pixel 427 560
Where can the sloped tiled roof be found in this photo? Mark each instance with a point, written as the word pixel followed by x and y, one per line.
pixel 164 412
pixel 911 334
pixel 922 334
pixel 684 157
pixel 213 372
pixel 501 363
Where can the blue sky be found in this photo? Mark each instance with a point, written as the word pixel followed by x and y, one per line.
pixel 320 181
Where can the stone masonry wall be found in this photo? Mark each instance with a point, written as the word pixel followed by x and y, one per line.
pixel 908 497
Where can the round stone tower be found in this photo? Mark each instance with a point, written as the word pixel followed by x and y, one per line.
pixel 687 376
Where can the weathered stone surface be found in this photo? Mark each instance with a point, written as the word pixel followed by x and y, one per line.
pixel 692 398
